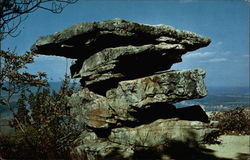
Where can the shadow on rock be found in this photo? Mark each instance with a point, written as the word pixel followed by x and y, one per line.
pixel 177 151
pixel 188 149
pixel 243 156
pixel 165 111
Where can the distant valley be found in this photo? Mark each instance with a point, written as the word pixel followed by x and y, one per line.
pixel 222 98
pixel 218 98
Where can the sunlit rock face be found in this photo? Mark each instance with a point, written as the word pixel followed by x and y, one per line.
pixel 85 39
pixel 128 92
pixel 106 51
pixel 122 104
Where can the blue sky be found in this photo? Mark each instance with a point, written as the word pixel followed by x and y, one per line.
pixel 226 22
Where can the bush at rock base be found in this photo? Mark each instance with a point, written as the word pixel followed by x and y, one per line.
pixel 236 121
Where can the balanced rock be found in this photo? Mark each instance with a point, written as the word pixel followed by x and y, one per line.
pixel 128 96
pixel 82 40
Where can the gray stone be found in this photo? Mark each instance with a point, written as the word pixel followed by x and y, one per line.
pixel 123 109
pixel 169 86
pixel 123 142
pixel 160 132
pixel 127 62
pixel 133 96
pixel 89 146
pixel 82 40
pixel 91 109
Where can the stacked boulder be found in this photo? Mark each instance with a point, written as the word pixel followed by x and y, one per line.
pixel 127 94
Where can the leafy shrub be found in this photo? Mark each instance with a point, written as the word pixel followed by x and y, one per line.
pixel 236 121
pixel 47 130
pixel 19 145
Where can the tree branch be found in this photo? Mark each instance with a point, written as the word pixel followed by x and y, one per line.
pixel 12 10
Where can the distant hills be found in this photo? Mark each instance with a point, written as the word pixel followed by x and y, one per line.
pixel 222 98
pixel 219 98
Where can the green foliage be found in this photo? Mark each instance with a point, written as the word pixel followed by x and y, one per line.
pixel 48 130
pixel 43 126
pixel 15 81
pixel 19 146
pixel 235 121
pixel 51 117
pixel 12 75
pixel 22 115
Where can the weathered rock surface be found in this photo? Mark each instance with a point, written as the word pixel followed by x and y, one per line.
pixel 159 132
pixel 170 87
pixel 91 109
pixel 127 97
pixel 116 63
pixel 89 146
pixel 130 97
pixel 82 40
pixel 123 141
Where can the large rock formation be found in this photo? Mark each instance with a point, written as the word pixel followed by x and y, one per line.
pixel 128 97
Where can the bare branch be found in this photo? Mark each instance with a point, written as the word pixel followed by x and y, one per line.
pixel 14 12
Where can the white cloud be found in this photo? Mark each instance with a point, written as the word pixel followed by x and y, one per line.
pixel 217 60
pixel 226 53
pixel 198 54
pixel 208 56
pixel 49 58
pixel 218 44
pixel 246 55
pixel 186 1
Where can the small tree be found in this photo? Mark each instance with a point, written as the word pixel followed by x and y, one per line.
pixel 22 114
pixel 48 129
pixel 51 118
pixel 14 80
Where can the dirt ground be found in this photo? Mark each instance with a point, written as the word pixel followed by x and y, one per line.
pixel 232 147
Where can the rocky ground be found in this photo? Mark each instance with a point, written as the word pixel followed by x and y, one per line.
pixel 232 147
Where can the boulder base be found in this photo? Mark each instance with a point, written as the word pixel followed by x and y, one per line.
pixel 123 142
